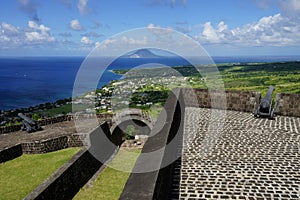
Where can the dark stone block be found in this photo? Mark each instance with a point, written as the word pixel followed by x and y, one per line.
pixel 10 153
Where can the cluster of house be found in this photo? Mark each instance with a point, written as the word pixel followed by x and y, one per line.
pixel 120 92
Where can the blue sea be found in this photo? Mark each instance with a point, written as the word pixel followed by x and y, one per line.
pixel 30 81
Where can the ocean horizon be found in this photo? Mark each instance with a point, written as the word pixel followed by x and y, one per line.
pixel 29 81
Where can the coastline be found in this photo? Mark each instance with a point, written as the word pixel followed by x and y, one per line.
pixel 121 72
pixel 271 66
pixel 29 81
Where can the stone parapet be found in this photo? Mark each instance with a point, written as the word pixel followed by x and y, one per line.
pixel 288 104
pixel 10 153
pixel 230 100
pixel 73 175
pixel 52 120
pixel 42 146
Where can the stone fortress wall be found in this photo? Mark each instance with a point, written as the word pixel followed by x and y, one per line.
pixel 160 184
pixel 288 104
pixel 235 100
pixel 157 182
pixel 74 174
pixel 52 120
pixel 41 146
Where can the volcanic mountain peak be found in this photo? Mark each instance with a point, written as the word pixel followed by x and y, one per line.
pixel 143 53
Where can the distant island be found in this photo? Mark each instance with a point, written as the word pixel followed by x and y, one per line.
pixel 141 53
pixel 148 92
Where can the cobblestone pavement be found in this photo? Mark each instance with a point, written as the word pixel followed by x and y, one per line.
pixel 250 159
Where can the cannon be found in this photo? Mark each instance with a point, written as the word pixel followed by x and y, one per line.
pixel 264 109
pixel 29 124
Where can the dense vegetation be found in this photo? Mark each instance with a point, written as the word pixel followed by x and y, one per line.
pixel 285 76
pixel 257 77
pixel 149 96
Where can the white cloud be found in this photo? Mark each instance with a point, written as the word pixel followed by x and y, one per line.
pixel 132 41
pixel 33 34
pixel 10 36
pixel 209 33
pixel 38 33
pixel 105 44
pixel 162 35
pixel 222 26
pixel 75 25
pixel 35 26
pixel 82 6
pixel 97 44
pixel 9 29
pixel 32 24
pixel 114 44
pixel 275 30
pixel 86 41
pixel 151 25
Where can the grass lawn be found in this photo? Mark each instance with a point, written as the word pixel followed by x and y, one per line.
pixel 67 108
pixel 257 77
pixel 110 183
pixel 54 111
pixel 20 176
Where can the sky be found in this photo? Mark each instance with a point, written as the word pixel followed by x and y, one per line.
pixel 223 28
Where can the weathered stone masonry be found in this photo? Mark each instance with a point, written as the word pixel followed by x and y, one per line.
pixel 41 146
pixel 235 100
pixel 73 175
pixel 289 104
pixel 253 158
pixel 52 120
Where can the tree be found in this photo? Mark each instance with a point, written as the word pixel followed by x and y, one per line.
pixel 35 117
pixel 129 132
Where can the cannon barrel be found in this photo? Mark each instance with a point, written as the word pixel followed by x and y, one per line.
pixel 29 124
pixel 27 119
pixel 265 106
pixel 266 101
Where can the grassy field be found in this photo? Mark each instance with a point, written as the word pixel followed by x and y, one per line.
pixel 285 76
pixel 110 183
pixel 257 77
pixel 20 176
pixel 64 109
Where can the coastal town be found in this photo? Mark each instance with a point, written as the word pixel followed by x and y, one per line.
pixel 147 88
pixel 140 89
